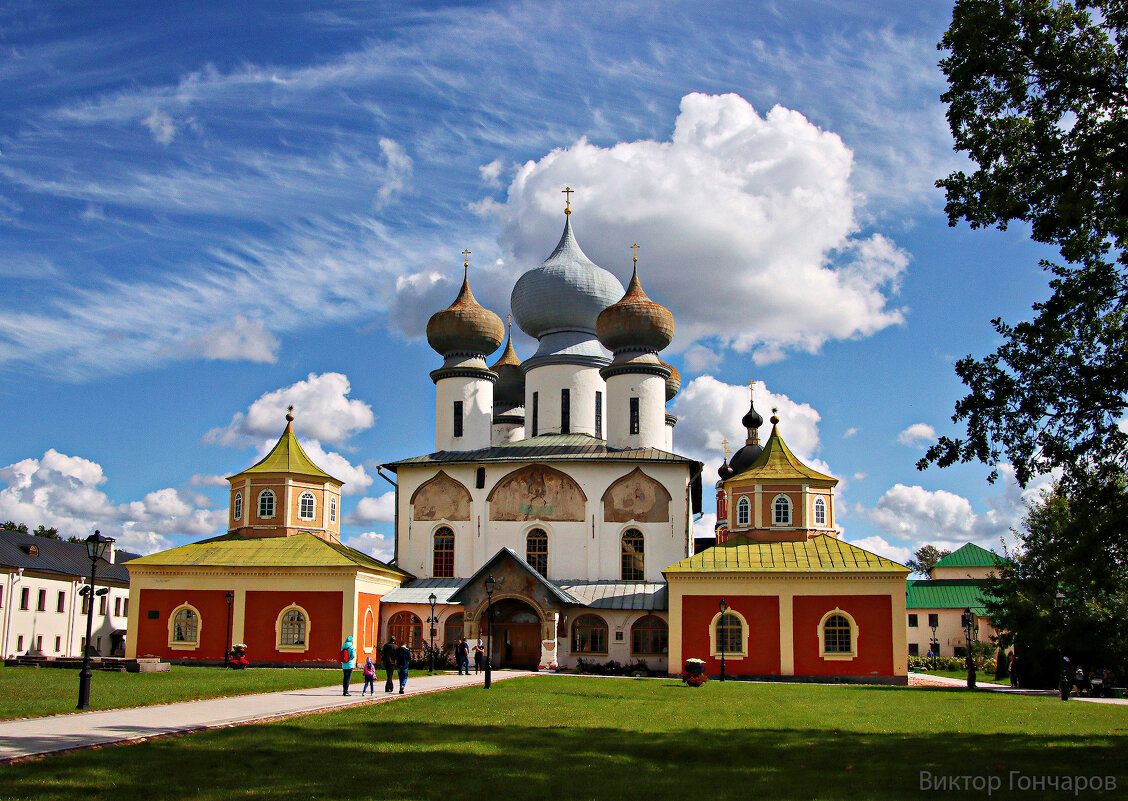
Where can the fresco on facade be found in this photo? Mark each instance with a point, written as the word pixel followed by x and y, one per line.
pixel 441 498
pixel 537 492
pixel 636 497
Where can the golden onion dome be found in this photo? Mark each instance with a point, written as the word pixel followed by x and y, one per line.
pixel 509 391
pixel 673 383
pixel 635 322
pixel 465 326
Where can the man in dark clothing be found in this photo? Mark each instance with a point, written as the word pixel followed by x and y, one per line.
pixel 388 657
pixel 403 661
pixel 463 657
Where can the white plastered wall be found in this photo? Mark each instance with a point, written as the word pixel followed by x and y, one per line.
pixel 547 381
pixel 476 395
pixel 651 393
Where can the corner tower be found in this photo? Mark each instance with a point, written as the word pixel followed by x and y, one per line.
pixel 284 494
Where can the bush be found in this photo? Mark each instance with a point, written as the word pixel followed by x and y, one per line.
pixel 443 657
pixel 924 664
pixel 612 668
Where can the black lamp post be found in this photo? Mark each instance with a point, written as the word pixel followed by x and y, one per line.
pixel 230 598
pixel 969 626
pixel 1063 683
pixel 721 635
pixel 431 622
pixel 934 646
pixel 96 546
pixel 490 584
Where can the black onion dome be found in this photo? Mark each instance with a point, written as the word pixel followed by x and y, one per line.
pixel 725 471
pixel 673 383
pixel 635 322
pixel 509 391
pixel 745 457
pixel 465 327
pixel 752 419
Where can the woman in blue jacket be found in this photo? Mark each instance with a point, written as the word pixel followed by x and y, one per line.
pixel 348 659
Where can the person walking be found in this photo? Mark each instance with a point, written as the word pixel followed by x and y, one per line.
pixel 463 657
pixel 388 657
pixel 348 660
pixel 479 657
pixel 403 662
pixel 369 677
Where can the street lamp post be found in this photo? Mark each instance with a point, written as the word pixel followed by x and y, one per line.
pixel 721 633
pixel 969 626
pixel 490 584
pixel 230 598
pixel 96 546
pixel 1063 683
pixel 934 646
pixel 431 622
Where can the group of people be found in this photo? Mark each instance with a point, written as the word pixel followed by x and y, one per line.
pixel 1098 683
pixel 396 660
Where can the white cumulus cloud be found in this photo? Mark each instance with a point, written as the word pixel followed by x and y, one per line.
pixel 381 509
pixel 375 545
pixel 737 200
pixel 917 434
pixel 321 405
pixel 881 547
pixel 238 339
pixel 710 411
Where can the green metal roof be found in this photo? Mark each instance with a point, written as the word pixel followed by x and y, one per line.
pixel 970 555
pixel 300 550
pixel 557 447
pixel 287 456
pixel 778 462
pixel 820 554
pixel 945 594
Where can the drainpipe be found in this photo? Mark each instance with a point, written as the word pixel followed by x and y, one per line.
pixel 12 579
pixel 395 518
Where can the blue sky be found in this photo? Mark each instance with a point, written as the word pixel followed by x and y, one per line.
pixel 210 211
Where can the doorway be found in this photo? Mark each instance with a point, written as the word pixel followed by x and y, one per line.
pixel 516 635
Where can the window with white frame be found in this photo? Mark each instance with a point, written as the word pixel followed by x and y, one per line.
pixel 266 504
pixel 838 635
pixel 292 629
pixel 820 512
pixel 743 512
pixel 306 506
pixel 333 510
pixel 237 507
pixel 781 511
pixel 728 634
pixel 184 627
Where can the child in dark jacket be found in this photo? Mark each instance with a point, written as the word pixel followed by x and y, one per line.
pixel 369 677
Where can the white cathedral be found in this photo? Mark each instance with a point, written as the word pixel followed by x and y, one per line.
pixel 554 475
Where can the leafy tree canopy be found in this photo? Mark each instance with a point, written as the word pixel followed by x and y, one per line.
pixel 1038 99
pixel 925 558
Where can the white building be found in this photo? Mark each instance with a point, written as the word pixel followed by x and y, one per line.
pixel 41 610
pixel 554 475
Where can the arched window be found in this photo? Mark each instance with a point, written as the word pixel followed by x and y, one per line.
pixel 452 630
pixel 633 561
pixel 293 625
pixel 536 550
pixel 407 628
pixel 589 635
pixel 781 511
pixel 443 564
pixel 184 627
pixel 333 510
pixel 650 636
pixel 266 504
pixel 837 635
pixel 305 506
pixel 369 633
pixel 730 634
pixel 237 507
pixel 743 512
pixel 820 512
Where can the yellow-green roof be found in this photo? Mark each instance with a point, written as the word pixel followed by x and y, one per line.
pixel 287 457
pixel 820 554
pixel 777 462
pixel 300 550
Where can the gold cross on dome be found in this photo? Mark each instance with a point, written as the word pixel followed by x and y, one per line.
pixel 635 248
pixel 466 258
pixel 567 192
pixel 725 447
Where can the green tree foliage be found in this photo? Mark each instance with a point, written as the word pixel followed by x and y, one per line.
pixel 1073 542
pixel 1038 99
pixel 49 533
pixel 925 558
pixel 9 525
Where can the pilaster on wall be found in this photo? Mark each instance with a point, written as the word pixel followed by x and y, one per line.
pixel 239 617
pixel 786 636
pixel 548 638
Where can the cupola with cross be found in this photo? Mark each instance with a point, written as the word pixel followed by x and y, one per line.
pixel 284 494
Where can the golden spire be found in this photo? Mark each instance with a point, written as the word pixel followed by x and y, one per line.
pixel 567 192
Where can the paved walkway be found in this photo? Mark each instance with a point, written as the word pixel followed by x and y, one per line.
pixel 36 736
pixel 1006 688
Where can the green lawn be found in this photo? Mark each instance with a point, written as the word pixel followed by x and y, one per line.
pixel 980 676
pixel 589 738
pixel 33 692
